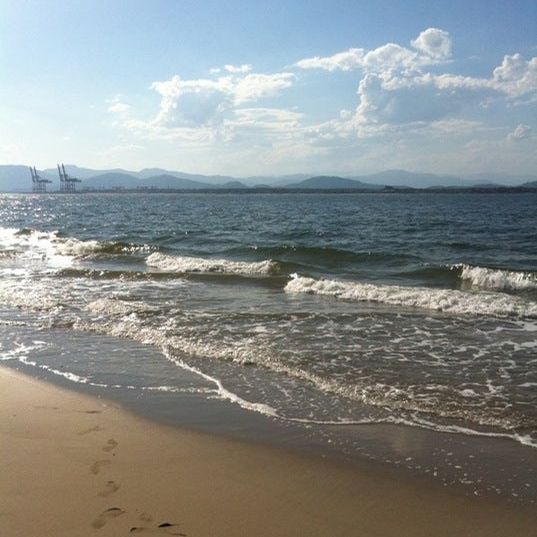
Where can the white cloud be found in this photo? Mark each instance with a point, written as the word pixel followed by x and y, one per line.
pixel 432 46
pixel 244 68
pixel 402 103
pixel 344 61
pixel 522 132
pixel 256 86
pixel 390 57
pixel 516 76
pixel 410 96
pixel 434 43
pixel 204 101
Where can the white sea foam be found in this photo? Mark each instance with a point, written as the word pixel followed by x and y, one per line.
pixel 445 300
pixel 21 350
pixel 486 278
pixel 416 421
pixel 224 393
pixel 199 264
pixel 109 306
pixel 53 250
pixel 13 293
pixel 75 247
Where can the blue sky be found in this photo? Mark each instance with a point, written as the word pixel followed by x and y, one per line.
pixel 264 88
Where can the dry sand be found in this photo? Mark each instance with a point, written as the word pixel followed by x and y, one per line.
pixel 72 465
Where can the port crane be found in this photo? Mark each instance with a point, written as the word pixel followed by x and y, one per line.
pixel 67 183
pixel 39 184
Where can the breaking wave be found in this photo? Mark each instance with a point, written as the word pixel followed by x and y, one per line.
pixel 445 300
pixel 173 263
pixel 48 244
pixel 486 278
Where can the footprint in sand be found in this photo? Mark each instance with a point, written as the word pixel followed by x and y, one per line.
pixel 110 445
pixel 105 516
pixel 95 429
pixel 95 468
pixel 111 487
pixel 166 528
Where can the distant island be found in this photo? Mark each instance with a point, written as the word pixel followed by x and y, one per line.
pixel 17 178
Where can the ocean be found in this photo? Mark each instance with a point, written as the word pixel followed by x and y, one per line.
pixel 327 313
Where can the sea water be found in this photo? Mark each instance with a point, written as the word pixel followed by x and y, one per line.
pixel 325 310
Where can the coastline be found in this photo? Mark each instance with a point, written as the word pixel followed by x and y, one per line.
pixel 80 465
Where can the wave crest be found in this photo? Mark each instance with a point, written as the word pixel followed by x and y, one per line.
pixel 486 278
pixel 172 263
pixel 445 300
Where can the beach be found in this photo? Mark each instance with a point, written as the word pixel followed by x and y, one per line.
pixel 75 465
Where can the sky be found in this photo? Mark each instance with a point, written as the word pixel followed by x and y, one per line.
pixel 270 87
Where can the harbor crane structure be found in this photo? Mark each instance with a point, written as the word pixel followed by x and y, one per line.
pixel 39 184
pixel 67 183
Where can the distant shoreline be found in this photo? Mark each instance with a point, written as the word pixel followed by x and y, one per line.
pixel 254 190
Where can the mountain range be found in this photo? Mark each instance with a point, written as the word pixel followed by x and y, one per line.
pixel 16 178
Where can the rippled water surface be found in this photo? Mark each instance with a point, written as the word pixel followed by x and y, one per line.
pixel 418 309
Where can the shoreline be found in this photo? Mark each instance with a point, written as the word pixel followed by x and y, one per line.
pixel 80 465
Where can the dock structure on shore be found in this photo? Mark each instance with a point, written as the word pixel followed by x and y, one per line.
pixel 67 183
pixel 39 184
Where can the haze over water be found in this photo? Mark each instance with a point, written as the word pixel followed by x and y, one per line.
pixel 309 308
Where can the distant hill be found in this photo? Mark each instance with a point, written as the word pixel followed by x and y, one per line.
pixel 16 178
pixel 530 184
pixel 275 181
pixel 85 173
pixel 171 181
pixel 502 178
pixel 148 173
pixel 111 180
pixel 231 185
pixel 326 182
pixel 412 179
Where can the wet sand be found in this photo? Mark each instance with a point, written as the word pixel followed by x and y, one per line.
pixel 74 465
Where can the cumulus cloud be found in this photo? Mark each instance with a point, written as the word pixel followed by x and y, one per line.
pixel 522 132
pixel 397 86
pixel 434 43
pixel 256 86
pixel 200 101
pixel 380 103
pixel 430 47
pixel 407 96
pixel 516 76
